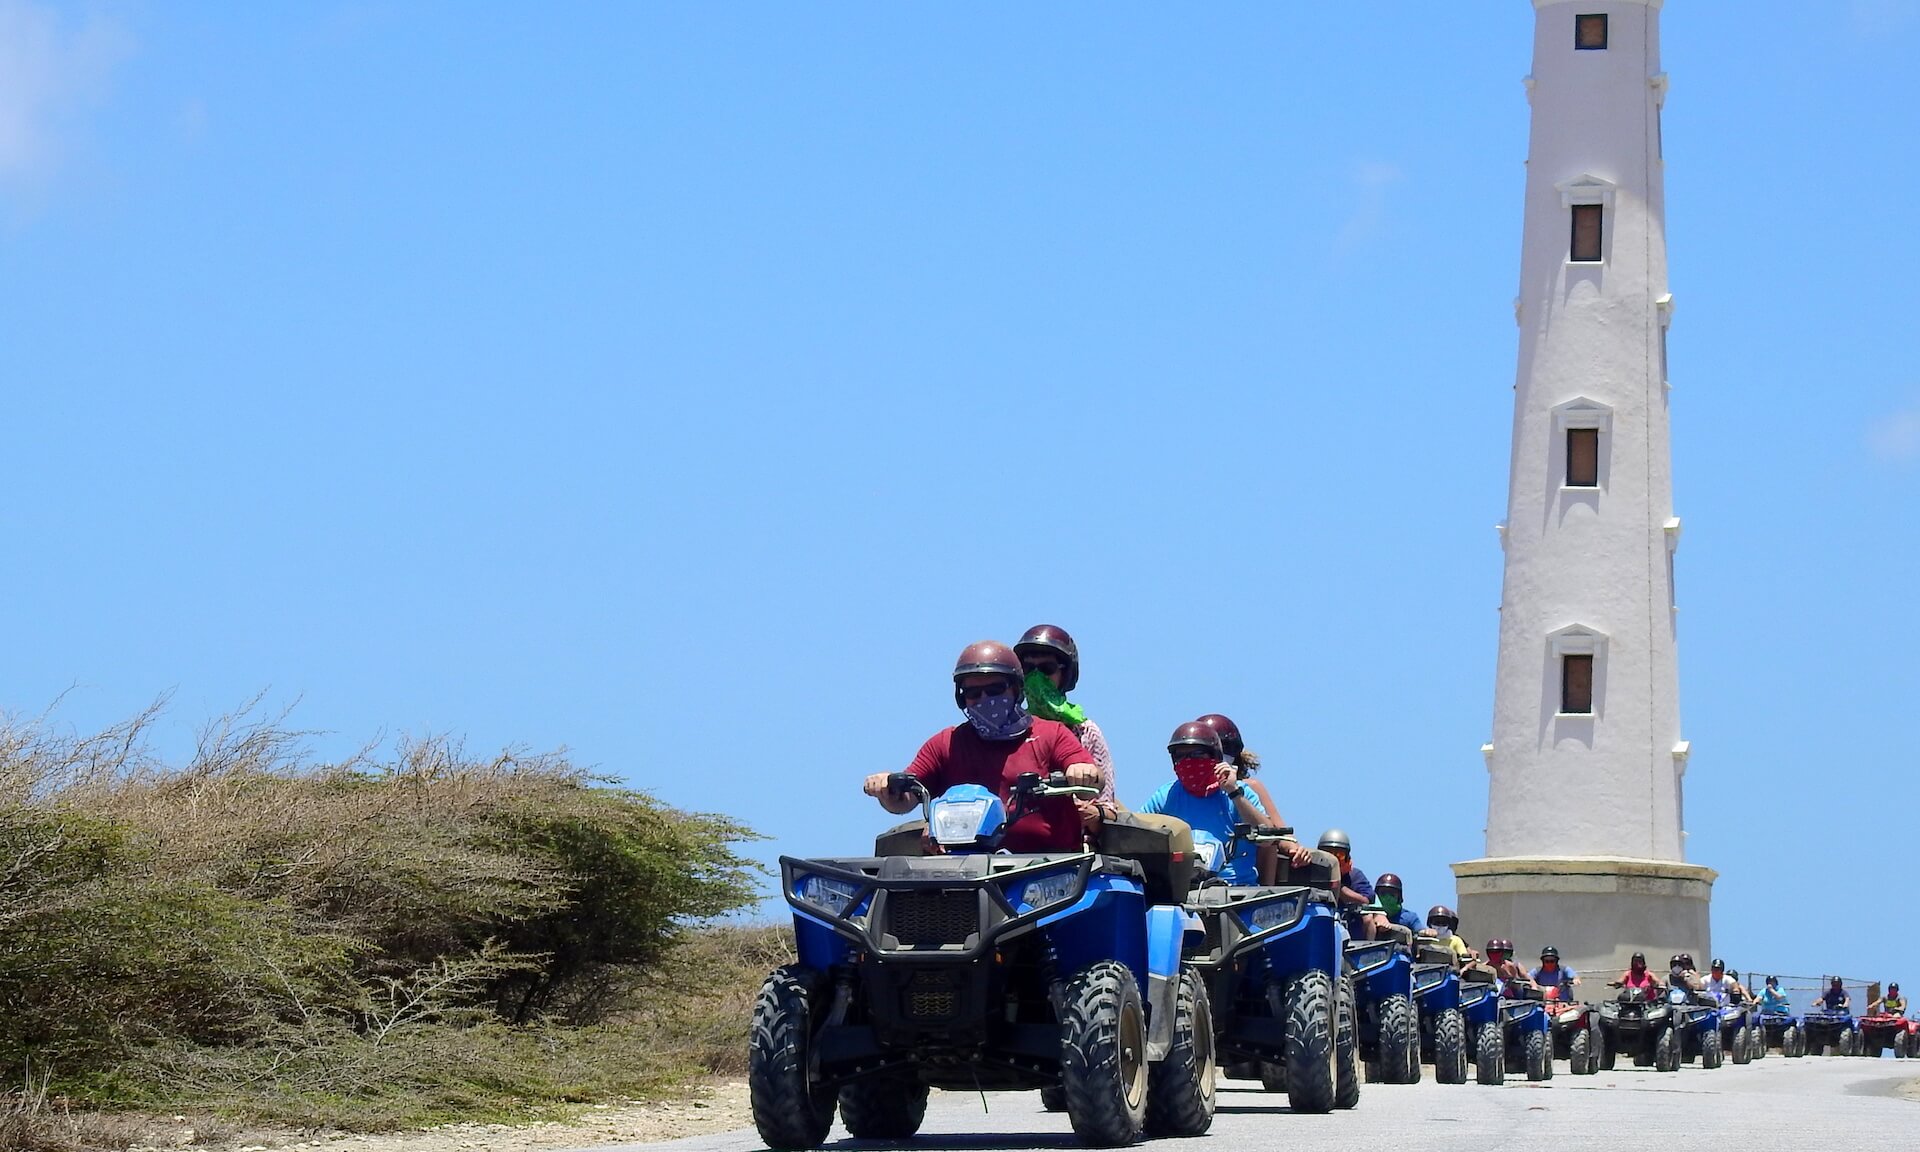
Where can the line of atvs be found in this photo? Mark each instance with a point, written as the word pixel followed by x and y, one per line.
pixel 1118 983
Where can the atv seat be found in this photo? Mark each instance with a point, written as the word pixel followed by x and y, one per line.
pixel 909 839
pixel 1319 872
pixel 1161 845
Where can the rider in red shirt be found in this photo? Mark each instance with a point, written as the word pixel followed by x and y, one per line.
pixel 998 743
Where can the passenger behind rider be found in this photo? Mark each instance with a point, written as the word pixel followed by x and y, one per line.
pixel 1680 973
pixel 1559 981
pixel 1637 976
pixel 1391 896
pixel 1245 766
pixel 999 742
pixel 1835 998
pixel 1051 661
pixel 1513 978
pixel 1443 923
pixel 1356 892
pixel 1773 1000
pixel 1206 794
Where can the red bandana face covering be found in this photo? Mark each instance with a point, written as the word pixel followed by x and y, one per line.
pixel 1198 775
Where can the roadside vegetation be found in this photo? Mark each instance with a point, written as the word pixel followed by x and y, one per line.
pixel 412 936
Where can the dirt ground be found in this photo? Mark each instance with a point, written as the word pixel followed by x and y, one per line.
pixel 716 1106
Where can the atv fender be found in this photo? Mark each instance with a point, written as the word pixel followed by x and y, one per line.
pixel 1169 928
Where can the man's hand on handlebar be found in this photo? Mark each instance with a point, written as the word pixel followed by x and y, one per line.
pixel 1084 776
pixel 1298 854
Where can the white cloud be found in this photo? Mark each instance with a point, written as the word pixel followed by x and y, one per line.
pixel 1896 436
pixel 1367 219
pixel 50 71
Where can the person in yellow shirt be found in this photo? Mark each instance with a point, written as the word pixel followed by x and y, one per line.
pixel 1444 925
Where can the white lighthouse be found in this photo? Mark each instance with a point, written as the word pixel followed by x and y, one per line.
pixel 1586 839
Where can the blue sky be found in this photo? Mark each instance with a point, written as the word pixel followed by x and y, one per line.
pixel 685 385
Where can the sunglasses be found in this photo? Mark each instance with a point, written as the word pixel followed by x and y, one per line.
pixel 1044 667
pixel 972 694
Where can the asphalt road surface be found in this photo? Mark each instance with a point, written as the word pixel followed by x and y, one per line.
pixel 1808 1105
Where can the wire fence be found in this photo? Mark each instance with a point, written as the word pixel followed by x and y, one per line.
pixel 1804 992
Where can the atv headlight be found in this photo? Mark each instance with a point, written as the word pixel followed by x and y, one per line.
pixel 1570 1014
pixel 1425 979
pixel 1656 1013
pixel 1049 889
pixel 958 822
pixel 827 893
pixel 1274 914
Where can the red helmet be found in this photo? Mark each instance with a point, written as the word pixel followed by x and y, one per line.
pixel 1052 638
pixel 1198 738
pixel 1229 734
pixel 1389 880
pixel 986 657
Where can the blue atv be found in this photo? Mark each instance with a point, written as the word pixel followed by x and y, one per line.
pixel 1443 1027
pixel 1779 1030
pixel 1270 958
pixel 976 969
pixel 1521 1034
pixel 1829 1032
pixel 1389 1025
pixel 1739 1037
pixel 1480 1012
pixel 1696 1020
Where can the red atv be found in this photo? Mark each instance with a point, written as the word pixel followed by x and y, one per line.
pixel 1883 1030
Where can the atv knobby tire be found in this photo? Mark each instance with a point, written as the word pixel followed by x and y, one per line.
pixel 885 1107
pixel 1490 1054
pixel 1273 1075
pixel 1666 1051
pixel 1399 1041
pixel 1311 1059
pixel 1580 1053
pixel 1346 1045
pixel 1793 1042
pixel 1712 1053
pixel 1742 1046
pixel 1103 1055
pixel 1180 1086
pixel 1450 1047
pixel 787 1111
pixel 1538 1048
pixel 1053 1099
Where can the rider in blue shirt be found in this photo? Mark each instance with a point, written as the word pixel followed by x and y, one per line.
pixel 1551 974
pixel 1773 1001
pixel 1208 795
pixel 1387 892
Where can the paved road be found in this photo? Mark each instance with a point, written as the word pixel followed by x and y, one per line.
pixel 1805 1105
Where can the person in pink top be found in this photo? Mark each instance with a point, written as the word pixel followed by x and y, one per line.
pixel 1636 975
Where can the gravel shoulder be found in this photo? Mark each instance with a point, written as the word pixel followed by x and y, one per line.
pixel 710 1107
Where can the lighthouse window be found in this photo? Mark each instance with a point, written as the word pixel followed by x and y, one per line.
pixel 1583 457
pixel 1586 233
pixel 1590 32
pixel 1576 685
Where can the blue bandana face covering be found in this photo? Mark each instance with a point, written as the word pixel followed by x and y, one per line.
pixel 1002 717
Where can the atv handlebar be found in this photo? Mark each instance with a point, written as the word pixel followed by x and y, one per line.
pixel 1253 835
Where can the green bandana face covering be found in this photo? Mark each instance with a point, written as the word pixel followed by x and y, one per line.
pixel 1390 903
pixel 1049 703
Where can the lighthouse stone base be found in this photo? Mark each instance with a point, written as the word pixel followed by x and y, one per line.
pixel 1598 910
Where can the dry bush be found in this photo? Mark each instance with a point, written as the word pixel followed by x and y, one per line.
pixel 381 941
pixel 703 996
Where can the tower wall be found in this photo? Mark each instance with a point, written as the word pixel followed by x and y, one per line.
pixel 1593 560
pixel 1585 814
